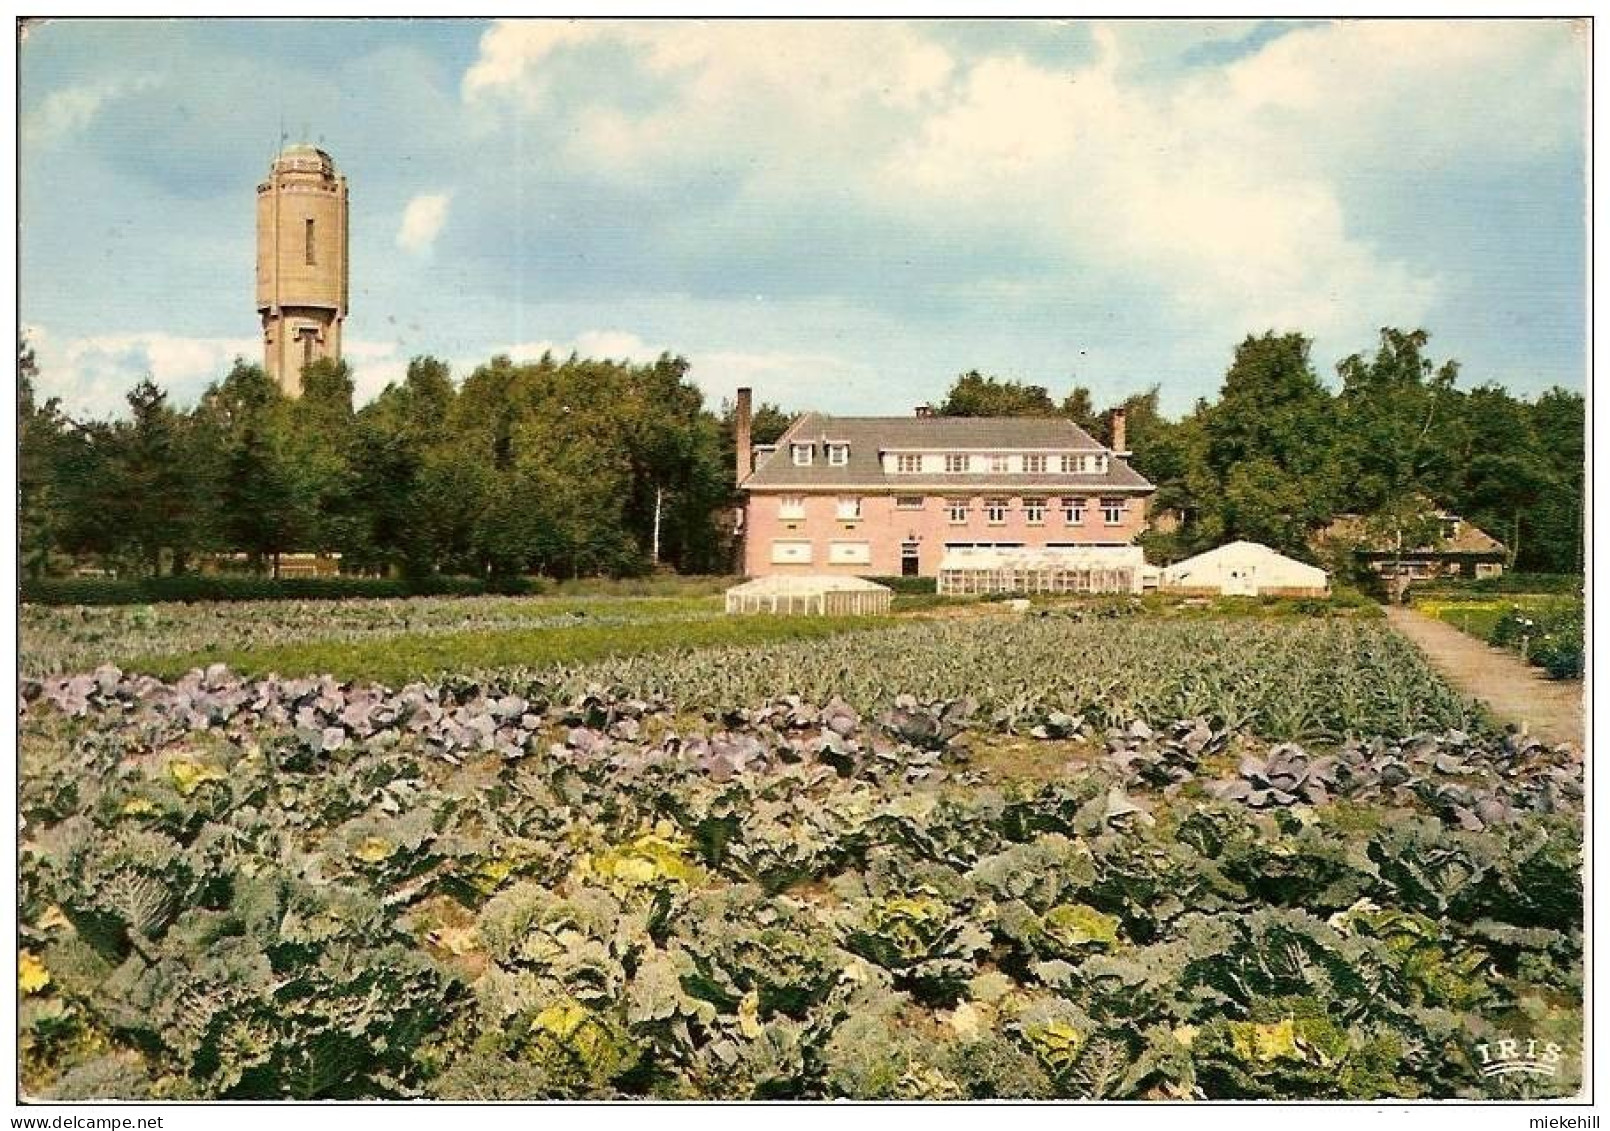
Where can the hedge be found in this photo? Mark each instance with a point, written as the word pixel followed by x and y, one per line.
pixel 1503 583
pixel 218 587
pixel 909 585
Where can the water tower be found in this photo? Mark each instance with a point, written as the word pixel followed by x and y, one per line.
pixel 301 263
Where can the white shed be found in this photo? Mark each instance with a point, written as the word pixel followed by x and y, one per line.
pixel 809 595
pixel 1245 569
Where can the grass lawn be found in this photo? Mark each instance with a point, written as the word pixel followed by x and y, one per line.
pixel 1478 616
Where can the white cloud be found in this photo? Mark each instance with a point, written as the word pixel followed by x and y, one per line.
pixel 1234 197
pixel 422 222
pixel 1184 187
pixel 66 111
pixel 93 375
pixel 512 51
pixel 787 95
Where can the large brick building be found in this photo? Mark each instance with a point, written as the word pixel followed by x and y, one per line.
pixel 883 496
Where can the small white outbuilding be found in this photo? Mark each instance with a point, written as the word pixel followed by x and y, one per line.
pixel 810 595
pixel 1245 569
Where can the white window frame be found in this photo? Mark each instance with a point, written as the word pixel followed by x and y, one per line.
pixel 999 464
pixel 849 553
pixel 961 507
pixel 995 511
pixel 838 455
pixel 906 463
pixel 849 508
pixel 1112 511
pixel 791 507
pixel 956 463
pixel 808 451
pixel 1073 465
pixel 1073 509
pixel 1034 511
pixel 779 558
pixel 1034 464
pixel 1101 464
pixel 909 502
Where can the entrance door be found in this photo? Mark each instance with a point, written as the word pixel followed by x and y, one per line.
pixel 1241 583
pixel 908 559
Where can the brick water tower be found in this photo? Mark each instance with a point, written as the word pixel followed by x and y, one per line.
pixel 301 263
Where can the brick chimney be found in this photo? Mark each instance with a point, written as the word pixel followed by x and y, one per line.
pixel 742 427
pixel 1120 436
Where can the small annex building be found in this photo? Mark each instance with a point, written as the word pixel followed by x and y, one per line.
pixel 824 595
pixel 1245 569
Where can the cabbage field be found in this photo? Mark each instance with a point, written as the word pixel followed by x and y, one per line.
pixel 1014 857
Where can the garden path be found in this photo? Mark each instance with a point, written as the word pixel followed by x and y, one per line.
pixel 1514 690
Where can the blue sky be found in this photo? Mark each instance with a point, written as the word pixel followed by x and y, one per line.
pixel 842 215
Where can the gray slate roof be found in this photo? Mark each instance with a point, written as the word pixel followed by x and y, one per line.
pixel 870 436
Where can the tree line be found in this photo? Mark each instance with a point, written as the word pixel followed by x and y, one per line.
pixel 1278 454
pixel 575 467
pixel 561 468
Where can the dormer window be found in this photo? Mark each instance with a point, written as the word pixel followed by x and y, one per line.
pixel 1073 465
pixel 838 454
pixel 908 464
pixel 999 465
pixel 803 454
pixel 1034 465
pixel 955 464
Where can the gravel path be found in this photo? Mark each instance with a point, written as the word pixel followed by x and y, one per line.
pixel 1514 690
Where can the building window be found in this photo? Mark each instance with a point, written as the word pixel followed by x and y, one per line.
pixel 1073 511
pixel 849 509
pixel 1034 512
pixel 955 464
pixel 790 552
pixel 995 511
pixel 307 249
pixel 791 506
pixel 957 510
pixel 802 454
pixel 849 553
pixel 908 502
pixel 1073 465
pixel 1101 464
pixel 838 454
pixel 1034 465
pixel 1112 511
pixel 908 464
pixel 999 465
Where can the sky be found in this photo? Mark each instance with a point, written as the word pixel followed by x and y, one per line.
pixel 843 215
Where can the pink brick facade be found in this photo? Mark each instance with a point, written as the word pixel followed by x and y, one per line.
pixel 888 529
pixel 886 496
